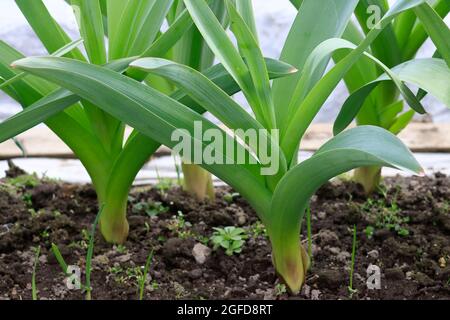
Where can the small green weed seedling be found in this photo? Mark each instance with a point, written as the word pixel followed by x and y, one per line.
pixel 231 239
pixel 90 251
pixel 121 248
pixel 230 197
pixel 385 216
pixel 149 208
pixel 258 229
pixel 143 278
pixel 25 181
pixel 280 289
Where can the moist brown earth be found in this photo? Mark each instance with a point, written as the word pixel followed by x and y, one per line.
pixel 404 229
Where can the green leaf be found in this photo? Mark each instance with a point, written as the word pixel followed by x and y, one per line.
pixel 437 29
pixel 115 10
pixel 385 47
pixel 59 100
pixel 431 75
pixel 146 32
pixel 418 35
pixel 401 122
pixel 389 113
pixel 316 22
pixel 245 9
pixel 58 53
pixel 210 97
pixel 311 105
pixel 90 22
pixel 252 54
pixel 138 27
pixel 223 48
pixel 203 90
pixel 47 107
pixel 46 28
pixel 361 146
pixel 151 113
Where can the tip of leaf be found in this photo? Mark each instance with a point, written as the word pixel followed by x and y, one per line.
pixel 293 70
pixel 13 65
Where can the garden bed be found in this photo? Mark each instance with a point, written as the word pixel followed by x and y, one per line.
pixel 404 230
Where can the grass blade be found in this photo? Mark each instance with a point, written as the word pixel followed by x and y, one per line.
pixel 33 276
pixel 59 258
pixel 90 252
pixel 144 276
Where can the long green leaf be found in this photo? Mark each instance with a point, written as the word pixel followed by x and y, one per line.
pixel 437 29
pixel 223 48
pixel 316 22
pixel 250 50
pixel 153 114
pixel 90 23
pixel 211 97
pixel 361 146
pixel 245 9
pixel 311 105
pixel 56 102
pixel 47 107
pixel 385 47
pixel 58 53
pixel 46 28
pixel 419 35
pixel 431 75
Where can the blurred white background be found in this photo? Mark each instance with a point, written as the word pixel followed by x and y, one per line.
pixel 274 18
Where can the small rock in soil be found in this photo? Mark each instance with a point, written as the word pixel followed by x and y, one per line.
pixel 101 259
pixel 334 250
pixel 445 274
pixel 201 253
pixel 321 215
pixel 328 237
pixel 343 256
pixel 124 258
pixel 330 279
pixel 195 274
pixel 394 274
pixel 220 218
pixel 315 294
pixel 382 234
pixel 374 254
pixel 423 279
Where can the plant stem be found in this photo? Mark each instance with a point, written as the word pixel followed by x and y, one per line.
pixel 308 227
pixel 90 251
pixel 198 182
pixel 33 277
pixel 368 177
pixel 144 276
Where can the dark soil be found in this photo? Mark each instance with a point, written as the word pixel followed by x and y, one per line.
pixel 404 230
